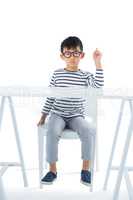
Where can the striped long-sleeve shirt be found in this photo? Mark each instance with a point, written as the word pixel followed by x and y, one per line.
pixel 70 107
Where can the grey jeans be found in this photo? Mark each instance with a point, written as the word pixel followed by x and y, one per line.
pixel 56 125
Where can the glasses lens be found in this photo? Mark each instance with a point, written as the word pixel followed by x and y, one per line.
pixel 76 54
pixel 67 54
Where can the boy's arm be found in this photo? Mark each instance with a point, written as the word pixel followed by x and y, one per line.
pixel 97 81
pixel 49 100
pixel 97 55
pixel 42 119
pixel 48 105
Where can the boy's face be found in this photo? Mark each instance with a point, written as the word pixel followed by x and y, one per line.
pixel 72 57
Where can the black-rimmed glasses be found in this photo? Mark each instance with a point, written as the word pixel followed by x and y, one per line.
pixel 68 54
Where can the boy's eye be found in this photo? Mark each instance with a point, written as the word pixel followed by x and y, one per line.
pixel 67 54
pixel 76 54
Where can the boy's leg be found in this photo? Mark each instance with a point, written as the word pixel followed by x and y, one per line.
pixel 56 124
pixel 86 164
pixel 86 133
pixel 52 167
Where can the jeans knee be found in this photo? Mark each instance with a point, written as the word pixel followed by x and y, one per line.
pixel 87 134
pixel 53 134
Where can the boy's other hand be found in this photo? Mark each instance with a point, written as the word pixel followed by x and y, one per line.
pixel 97 55
pixel 42 120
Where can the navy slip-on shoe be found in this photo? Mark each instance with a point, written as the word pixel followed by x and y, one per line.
pixel 86 177
pixel 49 178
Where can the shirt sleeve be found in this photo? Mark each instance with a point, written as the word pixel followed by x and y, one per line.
pixel 49 100
pixel 97 80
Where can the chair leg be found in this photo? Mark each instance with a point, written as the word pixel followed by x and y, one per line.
pixel 44 156
pixel 92 163
pixel 40 153
pixel 97 154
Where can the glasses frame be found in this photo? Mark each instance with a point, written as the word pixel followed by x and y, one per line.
pixel 72 53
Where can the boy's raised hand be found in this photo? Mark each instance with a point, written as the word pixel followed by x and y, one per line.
pixel 97 55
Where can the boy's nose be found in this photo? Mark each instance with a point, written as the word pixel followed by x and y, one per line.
pixel 72 56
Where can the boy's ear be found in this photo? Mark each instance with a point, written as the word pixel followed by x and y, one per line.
pixel 82 55
pixel 61 56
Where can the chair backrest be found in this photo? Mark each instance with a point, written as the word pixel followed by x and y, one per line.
pixel 91 108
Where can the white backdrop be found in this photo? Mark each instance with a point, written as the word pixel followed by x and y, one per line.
pixel 31 32
pixel 30 35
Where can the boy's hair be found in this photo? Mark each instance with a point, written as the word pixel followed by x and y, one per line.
pixel 71 42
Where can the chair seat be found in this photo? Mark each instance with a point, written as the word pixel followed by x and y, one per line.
pixel 67 133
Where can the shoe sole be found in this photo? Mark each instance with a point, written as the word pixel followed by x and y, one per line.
pixel 85 183
pixel 48 183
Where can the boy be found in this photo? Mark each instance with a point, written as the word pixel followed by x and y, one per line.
pixel 70 111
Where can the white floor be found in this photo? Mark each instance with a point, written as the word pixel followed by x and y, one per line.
pixel 67 186
pixel 60 195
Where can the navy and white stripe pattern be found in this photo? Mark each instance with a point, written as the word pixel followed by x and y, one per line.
pixel 70 107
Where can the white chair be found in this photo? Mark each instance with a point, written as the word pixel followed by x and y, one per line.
pixel 91 113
